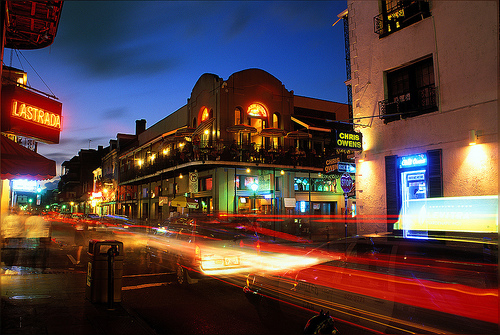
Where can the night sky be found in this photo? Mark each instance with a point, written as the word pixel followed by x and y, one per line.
pixel 114 62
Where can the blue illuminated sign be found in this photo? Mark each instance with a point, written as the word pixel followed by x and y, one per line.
pixel 413 160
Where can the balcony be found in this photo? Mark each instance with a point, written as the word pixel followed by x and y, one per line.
pixel 410 104
pixel 403 14
pixel 227 154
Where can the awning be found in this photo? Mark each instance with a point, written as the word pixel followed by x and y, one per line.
pixel 272 132
pixel 297 134
pixel 185 132
pixel 207 124
pixel 311 125
pixel 241 128
pixel 20 162
pixel 186 202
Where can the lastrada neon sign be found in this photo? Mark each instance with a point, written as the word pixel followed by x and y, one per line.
pixel 34 114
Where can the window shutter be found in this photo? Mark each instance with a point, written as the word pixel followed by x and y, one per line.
pixel 391 187
pixel 435 170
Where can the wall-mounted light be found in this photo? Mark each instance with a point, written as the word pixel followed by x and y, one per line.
pixel 282 172
pixel 248 170
pixel 362 157
pixel 473 136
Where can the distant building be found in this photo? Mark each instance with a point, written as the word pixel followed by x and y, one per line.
pixel 248 130
pixel 425 85
pixel 77 180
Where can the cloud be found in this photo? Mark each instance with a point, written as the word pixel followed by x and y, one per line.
pixel 103 40
pixel 114 113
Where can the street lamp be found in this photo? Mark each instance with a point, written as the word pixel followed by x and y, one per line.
pixel 254 186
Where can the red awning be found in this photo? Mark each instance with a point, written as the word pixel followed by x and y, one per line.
pixel 20 162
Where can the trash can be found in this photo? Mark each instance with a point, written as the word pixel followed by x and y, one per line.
pixel 100 276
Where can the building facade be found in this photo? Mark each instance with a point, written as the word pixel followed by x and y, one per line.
pixel 245 145
pixel 424 78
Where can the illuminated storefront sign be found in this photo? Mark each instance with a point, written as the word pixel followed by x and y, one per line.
pixel 413 161
pixel 24 185
pixel 257 110
pixel 349 140
pixel 30 114
pixel 34 114
pixel 334 165
pixel 331 165
pixel 477 214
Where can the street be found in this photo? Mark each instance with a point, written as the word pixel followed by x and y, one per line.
pixel 211 306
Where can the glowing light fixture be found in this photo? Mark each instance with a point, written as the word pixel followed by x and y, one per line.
pixel 282 172
pixel 248 170
pixel 473 135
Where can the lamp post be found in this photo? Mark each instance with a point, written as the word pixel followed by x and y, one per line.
pixel 254 186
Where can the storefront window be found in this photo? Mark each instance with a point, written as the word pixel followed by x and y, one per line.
pixel 318 185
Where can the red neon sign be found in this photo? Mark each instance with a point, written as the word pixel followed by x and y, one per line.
pixel 30 114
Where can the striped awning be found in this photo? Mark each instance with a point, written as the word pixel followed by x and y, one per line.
pixel 207 124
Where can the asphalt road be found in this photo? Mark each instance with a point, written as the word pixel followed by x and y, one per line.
pixel 211 306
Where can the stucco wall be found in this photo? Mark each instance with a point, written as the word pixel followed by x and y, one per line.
pixel 462 38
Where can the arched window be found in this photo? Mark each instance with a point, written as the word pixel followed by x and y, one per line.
pixel 205 114
pixel 276 120
pixel 237 116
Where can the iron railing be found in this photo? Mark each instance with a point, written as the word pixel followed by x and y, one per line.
pixel 403 14
pixel 222 154
pixel 414 103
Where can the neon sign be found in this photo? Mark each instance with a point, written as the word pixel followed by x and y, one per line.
pixel 26 113
pixel 413 160
pixel 349 140
pixel 34 114
pixel 257 110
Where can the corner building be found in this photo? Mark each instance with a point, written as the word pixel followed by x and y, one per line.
pixel 425 85
pixel 245 145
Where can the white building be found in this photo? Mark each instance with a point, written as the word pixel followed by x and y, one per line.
pixel 424 81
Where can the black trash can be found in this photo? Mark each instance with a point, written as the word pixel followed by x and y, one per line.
pixel 102 253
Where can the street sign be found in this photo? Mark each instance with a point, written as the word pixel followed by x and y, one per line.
pixel 346 182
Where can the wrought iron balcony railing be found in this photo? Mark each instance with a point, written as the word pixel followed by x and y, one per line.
pixel 223 155
pixel 403 14
pixel 414 103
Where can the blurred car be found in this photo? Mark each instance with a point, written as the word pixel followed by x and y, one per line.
pixel 197 248
pixel 94 222
pixel 392 285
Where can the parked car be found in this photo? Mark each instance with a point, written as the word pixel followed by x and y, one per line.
pixel 391 284
pixel 199 247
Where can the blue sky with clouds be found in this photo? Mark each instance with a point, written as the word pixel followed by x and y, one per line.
pixel 114 62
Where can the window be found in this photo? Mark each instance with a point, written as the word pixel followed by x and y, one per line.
pixel 410 91
pixel 205 184
pixel 276 120
pixel 237 116
pixel 398 14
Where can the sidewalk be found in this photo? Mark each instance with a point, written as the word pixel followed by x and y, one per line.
pixel 53 302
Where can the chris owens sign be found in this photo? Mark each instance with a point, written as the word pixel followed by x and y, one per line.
pixel 30 114
pixel 349 140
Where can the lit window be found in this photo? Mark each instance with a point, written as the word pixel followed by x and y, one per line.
pixel 204 114
pixel 257 110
